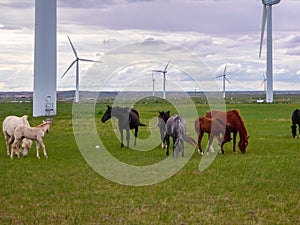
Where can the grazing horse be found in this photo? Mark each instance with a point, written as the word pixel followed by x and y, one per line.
pixel 175 127
pixel 128 119
pixel 33 133
pixel 161 123
pixel 295 121
pixel 213 127
pixel 236 125
pixel 8 126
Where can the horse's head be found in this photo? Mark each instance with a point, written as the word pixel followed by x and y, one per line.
pixel 26 145
pixel 243 144
pixel 46 124
pixel 107 114
pixel 162 118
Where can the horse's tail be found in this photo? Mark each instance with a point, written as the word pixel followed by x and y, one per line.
pixel 190 140
pixel 197 126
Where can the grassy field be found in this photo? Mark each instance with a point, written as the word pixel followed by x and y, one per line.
pixel 259 187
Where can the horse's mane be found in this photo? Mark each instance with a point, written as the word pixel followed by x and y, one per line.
pixel 237 113
pixel 44 124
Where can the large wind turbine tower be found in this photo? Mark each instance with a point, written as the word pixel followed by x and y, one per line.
pixel 44 87
pixel 267 18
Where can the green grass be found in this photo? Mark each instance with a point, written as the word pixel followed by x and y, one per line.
pixel 259 187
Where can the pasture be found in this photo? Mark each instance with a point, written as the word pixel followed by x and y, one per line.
pixel 259 187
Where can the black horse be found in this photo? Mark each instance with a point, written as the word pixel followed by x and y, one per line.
pixel 295 121
pixel 127 119
pixel 161 123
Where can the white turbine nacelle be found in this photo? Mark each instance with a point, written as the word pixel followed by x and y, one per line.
pixel 270 2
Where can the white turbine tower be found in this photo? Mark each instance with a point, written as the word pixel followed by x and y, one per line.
pixel 153 83
pixel 267 18
pixel 77 69
pixel 164 78
pixel 44 83
pixel 224 80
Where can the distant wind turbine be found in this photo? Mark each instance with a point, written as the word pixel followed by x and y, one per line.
pixel 77 69
pixel 264 82
pixel 164 78
pixel 153 80
pixel 224 80
pixel 267 18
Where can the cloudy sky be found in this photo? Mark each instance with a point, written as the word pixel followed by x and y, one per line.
pixel 217 32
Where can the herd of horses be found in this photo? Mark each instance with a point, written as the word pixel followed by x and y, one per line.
pixel 17 129
pixel 217 124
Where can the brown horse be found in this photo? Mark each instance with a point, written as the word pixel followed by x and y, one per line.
pixel 213 127
pixel 236 125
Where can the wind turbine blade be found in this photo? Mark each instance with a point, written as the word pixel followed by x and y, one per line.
pixel 263 25
pixel 157 71
pixel 69 68
pixel 219 76
pixel 89 60
pixel 167 66
pixel 227 80
pixel 225 69
pixel 73 48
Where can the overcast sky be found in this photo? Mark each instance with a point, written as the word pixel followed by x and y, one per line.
pixel 218 32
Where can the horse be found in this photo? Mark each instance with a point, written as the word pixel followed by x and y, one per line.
pixel 236 125
pixel 175 127
pixel 213 127
pixel 295 122
pixel 128 119
pixel 33 133
pixel 8 126
pixel 161 123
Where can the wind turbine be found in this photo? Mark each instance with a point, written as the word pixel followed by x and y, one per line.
pixel 267 18
pixel 164 78
pixel 77 69
pixel 224 80
pixel 153 80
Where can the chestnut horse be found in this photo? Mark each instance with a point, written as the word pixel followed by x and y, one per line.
pixel 213 127
pixel 236 125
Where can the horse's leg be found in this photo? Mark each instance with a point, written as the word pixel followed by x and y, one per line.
pixel 167 140
pixel 210 140
pixel 135 134
pixel 43 146
pixel 199 142
pixel 121 136
pixel 175 147
pixel 234 141
pixel 299 129
pixel 127 137
pixel 226 139
pixel 9 140
pixel 37 149
pixel 15 148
